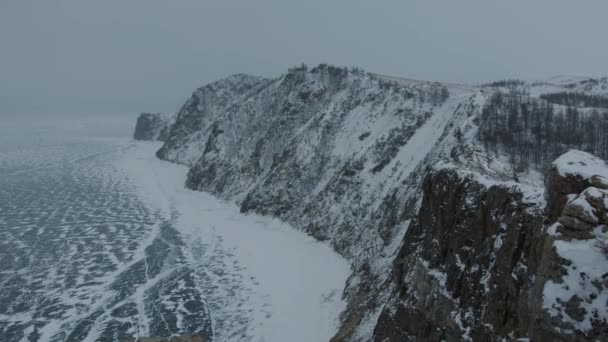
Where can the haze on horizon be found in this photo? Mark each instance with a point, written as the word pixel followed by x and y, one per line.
pixel 115 56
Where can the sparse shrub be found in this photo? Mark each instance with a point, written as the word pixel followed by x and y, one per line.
pixel 602 245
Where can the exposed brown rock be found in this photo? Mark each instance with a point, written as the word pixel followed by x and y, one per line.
pixel 579 216
pixel 598 199
pixel 467 264
pixel 574 310
pixel 475 260
pixel 557 189
pixel 569 233
pixel 577 210
pixel 599 182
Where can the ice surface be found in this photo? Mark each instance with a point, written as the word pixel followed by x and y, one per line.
pixel 295 292
pixel 100 241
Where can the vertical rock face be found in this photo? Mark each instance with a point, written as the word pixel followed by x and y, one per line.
pixel 467 264
pixel 575 301
pixel 482 263
pixel 444 245
pixel 198 115
pixel 153 127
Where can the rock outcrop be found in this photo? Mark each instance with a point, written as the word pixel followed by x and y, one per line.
pixel 445 243
pixel 195 338
pixel 481 263
pixel 151 126
pixel 336 152
pixel 467 264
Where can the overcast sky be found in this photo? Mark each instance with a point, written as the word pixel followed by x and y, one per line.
pixel 120 56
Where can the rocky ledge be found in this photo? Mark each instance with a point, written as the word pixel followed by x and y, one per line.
pixel 482 262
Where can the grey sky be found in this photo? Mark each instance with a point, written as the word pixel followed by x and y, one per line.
pixel 118 56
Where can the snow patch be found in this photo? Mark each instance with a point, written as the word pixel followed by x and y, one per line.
pixel 581 163
pixel 584 273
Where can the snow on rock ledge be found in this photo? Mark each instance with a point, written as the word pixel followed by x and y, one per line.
pixel 581 163
pixel 480 262
pixel 569 174
pixel 467 266
pixel 342 154
pixel 575 296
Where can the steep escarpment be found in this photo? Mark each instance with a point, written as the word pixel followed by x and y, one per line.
pixel 195 120
pixel 295 146
pixel 576 301
pixel 485 260
pixel 151 126
pixel 448 237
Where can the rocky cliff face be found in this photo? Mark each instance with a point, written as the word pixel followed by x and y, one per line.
pixel 336 152
pixel 153 126
pixel 483 262
pixel 443 243
pixel 575 300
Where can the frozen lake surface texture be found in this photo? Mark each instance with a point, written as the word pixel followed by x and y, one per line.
pixel 99 241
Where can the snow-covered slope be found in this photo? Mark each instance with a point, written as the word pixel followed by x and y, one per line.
pixel 557 84
pixel 342 154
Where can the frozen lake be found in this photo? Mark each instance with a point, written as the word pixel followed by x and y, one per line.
pixel 99 241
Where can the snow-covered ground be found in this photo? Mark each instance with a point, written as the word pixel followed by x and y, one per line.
pixel 282 284
pixel 100 241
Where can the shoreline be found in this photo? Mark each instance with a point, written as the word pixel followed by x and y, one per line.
pixel 282 284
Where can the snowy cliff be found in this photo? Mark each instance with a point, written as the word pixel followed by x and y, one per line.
pixel 445 235
pixel 488 260
pixel 153 126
